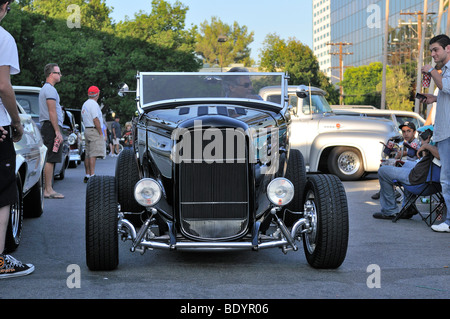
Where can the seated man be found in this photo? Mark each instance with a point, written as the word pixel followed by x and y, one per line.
pixel 407 174
pixel 410 147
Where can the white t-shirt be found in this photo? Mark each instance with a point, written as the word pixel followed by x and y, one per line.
pixel 10 57
pixel 89 112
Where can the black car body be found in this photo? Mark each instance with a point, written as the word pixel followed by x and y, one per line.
pixel 212 169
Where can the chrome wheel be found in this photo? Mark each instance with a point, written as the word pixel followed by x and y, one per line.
pixel 349 163
pixel 310 210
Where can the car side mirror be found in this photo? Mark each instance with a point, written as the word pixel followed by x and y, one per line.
pixel 302 94
pixel 124 89
pixel 302 91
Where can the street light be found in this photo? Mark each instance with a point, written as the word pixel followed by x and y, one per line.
pixel 221 39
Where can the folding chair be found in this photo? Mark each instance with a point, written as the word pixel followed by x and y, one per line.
pixel 431 188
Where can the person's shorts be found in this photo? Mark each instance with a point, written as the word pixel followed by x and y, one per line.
pixel 95 143
pixel 48 136
pixel 8 187
pixel 116 141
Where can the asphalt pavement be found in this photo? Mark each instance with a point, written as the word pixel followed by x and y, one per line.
pixel 403 260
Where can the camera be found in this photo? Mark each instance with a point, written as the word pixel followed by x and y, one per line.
pixel 425 134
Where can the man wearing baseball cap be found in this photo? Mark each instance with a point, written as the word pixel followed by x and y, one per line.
pixel 410 142
pixel 95 141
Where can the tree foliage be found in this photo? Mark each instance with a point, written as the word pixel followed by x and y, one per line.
pixel 360 84
pixel 398 88
pixel 298 61
pixel 93 54
pixel 234 50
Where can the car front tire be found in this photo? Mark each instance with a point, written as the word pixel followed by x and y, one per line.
pixel 102 247
pixel 325 242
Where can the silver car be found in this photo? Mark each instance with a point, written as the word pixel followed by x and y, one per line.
pixel 397 116
pixel 28 98
pixel 346 146
pixel 30 161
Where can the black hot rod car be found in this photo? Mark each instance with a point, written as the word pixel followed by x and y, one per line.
pixel 211 169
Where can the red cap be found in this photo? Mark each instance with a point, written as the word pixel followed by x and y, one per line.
pixel 93 91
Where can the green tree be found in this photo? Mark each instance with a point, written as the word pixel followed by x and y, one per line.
pixel 398 88
pixel 290 56
pixel 360 84
pixel 93 14
pixel 234 50
pixel 298 61
pixel 164 26
pixel 93 54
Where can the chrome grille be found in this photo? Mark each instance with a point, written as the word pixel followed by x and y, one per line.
pixel 213 196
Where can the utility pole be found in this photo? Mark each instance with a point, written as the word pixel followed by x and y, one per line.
pixel 421 33
pixel 341 67
pixel 385 46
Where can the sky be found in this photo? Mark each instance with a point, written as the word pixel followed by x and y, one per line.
pixel 287 18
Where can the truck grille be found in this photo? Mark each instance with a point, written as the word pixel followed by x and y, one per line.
pixel 214 197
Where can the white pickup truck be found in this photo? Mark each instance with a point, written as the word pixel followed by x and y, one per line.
pixel 346 146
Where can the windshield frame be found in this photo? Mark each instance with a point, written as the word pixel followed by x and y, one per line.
pixel 145 105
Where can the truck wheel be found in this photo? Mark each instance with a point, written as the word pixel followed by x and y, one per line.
pixel 15 225
pixel 102 247
pixel 325 244
pixel 296 173
pixel 33 205
pixel 127 175
pixel 346 163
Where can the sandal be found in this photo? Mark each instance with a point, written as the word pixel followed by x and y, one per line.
pixel 55 196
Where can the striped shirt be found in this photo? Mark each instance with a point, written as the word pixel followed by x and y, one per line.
pixel 442 121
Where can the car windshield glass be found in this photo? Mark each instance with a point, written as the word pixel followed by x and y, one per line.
pixel 318 104
pixel 241 85
pixel 402 119
pixel 29 102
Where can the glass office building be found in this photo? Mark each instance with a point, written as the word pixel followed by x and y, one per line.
pixel 361 24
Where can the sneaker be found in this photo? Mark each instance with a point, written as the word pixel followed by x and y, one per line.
pixel 383 216
pixel 85 179
pixel 11 267
pixel 376 195
pixel 441 228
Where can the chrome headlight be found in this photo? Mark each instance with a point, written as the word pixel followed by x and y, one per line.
pixel 147 192
pixel 72 139
pixel 280 191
